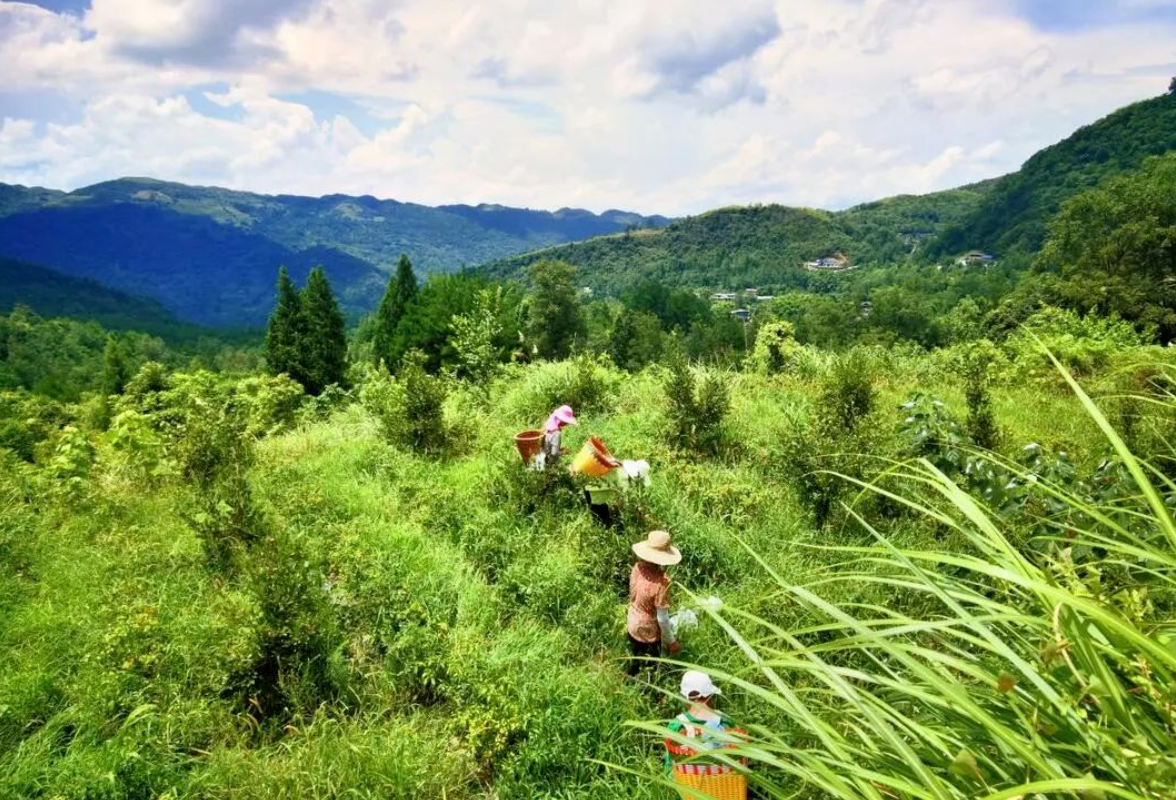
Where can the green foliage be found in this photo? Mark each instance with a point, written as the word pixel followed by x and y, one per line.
pixel 697 411
pixel 988 670
pixel 636 339
pixel 285 330
pixel 410 408
pixel 402 288
pixel 842 437
pixel 476 336
pixel 730 248
pixel 322 352
pixel 1014 214
pixel 427 323
pixel 116 369
pixel 776 350
pixel 1114 248
pixel 981 423
pixel 555 321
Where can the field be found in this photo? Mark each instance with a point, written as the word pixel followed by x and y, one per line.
pixel 238 592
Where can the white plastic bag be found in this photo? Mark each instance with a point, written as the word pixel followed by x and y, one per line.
pixel 682 621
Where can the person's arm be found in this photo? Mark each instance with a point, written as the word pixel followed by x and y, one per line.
pixel 663 622
pixel 662 606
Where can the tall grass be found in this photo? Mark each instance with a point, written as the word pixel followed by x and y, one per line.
pixel 988 673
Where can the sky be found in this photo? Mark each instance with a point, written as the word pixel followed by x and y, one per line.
pixel 646 105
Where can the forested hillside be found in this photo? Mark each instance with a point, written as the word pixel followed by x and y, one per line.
pixel 1014 215
pixel 216 587
pixel 52 294
pixel 756 245
pixel 209 255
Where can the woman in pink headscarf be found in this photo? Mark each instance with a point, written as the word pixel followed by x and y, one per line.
pixel 552 449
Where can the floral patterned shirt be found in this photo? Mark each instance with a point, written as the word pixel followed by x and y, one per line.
pixel 649 590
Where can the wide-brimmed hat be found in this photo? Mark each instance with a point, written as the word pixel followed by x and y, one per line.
pixel 656 549
pixel 562 415
pixel 698 685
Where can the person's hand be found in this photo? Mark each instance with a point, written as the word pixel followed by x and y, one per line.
pixel 674 647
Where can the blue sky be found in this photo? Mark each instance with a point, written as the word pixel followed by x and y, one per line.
pixel 669 107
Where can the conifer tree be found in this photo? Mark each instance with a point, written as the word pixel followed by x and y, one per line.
pixel 116 366
pixel 282 333
pixel 323 342
pixel 402 288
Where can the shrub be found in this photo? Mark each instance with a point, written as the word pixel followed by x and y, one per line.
pixel 410 408
pixel 841 437
pixel 776 349
pixel 214 450
pixel 696 415
pixel 298 662
pixel 981 423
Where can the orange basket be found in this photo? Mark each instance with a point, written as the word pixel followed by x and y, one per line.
pixel 529 444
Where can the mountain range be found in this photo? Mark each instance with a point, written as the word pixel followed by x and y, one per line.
pixel 210 255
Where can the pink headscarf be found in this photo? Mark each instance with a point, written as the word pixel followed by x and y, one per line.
pixel 560 417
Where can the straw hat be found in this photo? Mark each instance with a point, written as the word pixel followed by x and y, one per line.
pixel 656 549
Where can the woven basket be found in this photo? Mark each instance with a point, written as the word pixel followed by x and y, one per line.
pixel 722 786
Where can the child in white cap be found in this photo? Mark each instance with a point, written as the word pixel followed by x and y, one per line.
pixel 706 729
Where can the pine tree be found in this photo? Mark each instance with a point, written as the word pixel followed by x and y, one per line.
pixel 116 366
pixel 282 334
pixel 402 288
pixel 323 344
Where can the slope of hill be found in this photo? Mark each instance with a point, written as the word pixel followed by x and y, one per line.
pixel 200 270
pixel 210 255
pixel 377 231
pixel 1014 215
pixel 755 245
pixel 52 294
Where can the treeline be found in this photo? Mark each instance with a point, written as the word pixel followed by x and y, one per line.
pixel 1110 254
pixel 64 358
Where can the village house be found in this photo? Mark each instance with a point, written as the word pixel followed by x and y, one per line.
pixel 723 296
pixel 834 263
pixel 975 258
pixel 741 314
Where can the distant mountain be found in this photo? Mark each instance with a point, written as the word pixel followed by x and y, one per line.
pixel 756 245
pixel 1014 215
pixel 51 294
pixel 200 270
pixel 211 255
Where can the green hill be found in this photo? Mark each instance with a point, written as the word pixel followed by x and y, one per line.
pixel 755 245
pixel 210 255
pixel 1014 215
pixel 52 294
pixel 766 245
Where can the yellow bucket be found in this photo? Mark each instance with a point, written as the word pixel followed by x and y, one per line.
pixel 594 459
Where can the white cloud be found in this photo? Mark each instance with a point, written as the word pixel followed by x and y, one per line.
pixel 645 104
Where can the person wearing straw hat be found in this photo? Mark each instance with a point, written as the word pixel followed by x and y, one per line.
pixel 552 447
pixel 701 728
pixel 649 600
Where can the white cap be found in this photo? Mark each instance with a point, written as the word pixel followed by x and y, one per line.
pixel 696 685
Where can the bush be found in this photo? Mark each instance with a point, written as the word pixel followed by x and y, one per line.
pixel 410 408
pixel 776 349
pixel 697 415
pixel 841 437
pixel 298 663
